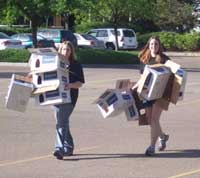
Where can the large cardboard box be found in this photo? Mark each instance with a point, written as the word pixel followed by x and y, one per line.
pixel 19 92
pixel 113 101
pixel 44 79
pixel 153 81
pixel 177 83
pixel 52 94
pixel 46 59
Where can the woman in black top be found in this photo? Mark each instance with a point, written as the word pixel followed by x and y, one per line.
pixel 64 145
pixel 152 53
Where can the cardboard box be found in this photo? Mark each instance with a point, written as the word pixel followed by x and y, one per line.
pixel 52 97
pixel 177 84
pixel 131 112
pixel 46 59
pixel 153 81
pixel 45 79
pixel 123 84
pixel 18 94
pixel 113 101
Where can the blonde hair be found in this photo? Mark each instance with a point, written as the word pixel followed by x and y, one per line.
pixel 145 54
pixel 69 44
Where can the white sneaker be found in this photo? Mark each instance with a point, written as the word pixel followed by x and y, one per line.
pixel 162 142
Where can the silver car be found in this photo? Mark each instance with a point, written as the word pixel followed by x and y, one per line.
pixel 6 42
pixel 89 41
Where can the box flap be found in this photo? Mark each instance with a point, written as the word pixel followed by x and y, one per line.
pixel 23 78
pixel 172 65
pixel 123 84
pixel 45 88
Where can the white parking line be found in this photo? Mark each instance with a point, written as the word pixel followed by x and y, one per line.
pixel 42 157
pixel 186 174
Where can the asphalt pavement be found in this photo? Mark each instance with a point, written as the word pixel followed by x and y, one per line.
pixel 104 148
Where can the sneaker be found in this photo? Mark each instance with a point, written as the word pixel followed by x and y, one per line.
pixel 58 154
pixel 162 142
pixel 69 152
pixel 150 151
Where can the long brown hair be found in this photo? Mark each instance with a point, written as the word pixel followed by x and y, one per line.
pixel 72 56
pixel 145 53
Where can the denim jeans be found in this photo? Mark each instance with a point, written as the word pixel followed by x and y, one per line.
pixel 64 138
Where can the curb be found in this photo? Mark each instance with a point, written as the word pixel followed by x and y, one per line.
pixel 182 54
pixel 10 64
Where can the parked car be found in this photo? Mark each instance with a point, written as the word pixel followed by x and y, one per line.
pixel 126 37
pixel 27 40
pixel 197 29
pixel 89 41
pixel 58 36
pixel 6 42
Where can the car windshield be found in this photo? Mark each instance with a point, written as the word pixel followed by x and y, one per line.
pixel 4 36
pixel 128 33
pixel 113 32
pixel 39 37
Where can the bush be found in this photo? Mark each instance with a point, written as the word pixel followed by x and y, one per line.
pixel 91 56
pixel 188 42
pixel 14 30
pixel 174 41
pixel 85 56
pixel 14 55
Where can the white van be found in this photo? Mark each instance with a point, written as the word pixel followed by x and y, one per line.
pixel 126 37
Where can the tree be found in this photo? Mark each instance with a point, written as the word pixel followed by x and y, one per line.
pixel 173 15
pixel 33 10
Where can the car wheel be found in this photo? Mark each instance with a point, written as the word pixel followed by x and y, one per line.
pixel 110 46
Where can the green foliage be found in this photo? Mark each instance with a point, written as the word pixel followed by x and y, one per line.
pixel 168 40
pixel 85 56
pixel 14 55
pixel 173 15
pixel 174 41
pixel 14 30
pixel 91 56
pixel 187 42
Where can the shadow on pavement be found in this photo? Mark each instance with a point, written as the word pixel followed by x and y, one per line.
pixel 9 74
pixel 192 69
pixel 165 154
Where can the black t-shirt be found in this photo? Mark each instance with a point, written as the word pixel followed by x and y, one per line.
pixel 75 74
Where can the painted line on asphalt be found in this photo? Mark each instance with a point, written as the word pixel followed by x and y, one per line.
pixel 186 174
pixel 43 157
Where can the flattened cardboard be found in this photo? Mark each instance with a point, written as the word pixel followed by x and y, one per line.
pixel 43 89
pixel 123 84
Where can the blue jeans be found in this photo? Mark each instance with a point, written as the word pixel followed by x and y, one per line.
pixel 64 140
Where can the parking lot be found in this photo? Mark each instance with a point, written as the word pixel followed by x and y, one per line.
pixel 104 148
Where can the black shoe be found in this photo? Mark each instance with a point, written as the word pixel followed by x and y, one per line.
pixel 58 154
pixel 150 151
pixel 69 152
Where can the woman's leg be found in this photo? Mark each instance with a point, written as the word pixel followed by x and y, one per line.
pixel 153 113
pixel 64 140
pixel 156 129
